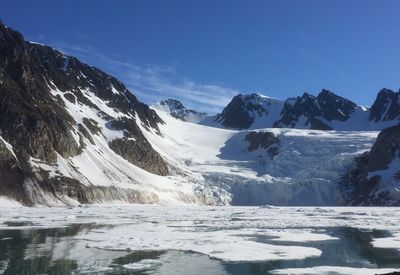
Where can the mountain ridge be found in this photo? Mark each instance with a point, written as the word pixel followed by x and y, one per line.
pixel 326 111
pixel 71 134
pixel 56 111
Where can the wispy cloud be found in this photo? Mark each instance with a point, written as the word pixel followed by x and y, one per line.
pixel 166 83
pixel 152 83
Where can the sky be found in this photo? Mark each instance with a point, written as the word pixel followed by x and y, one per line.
pixel 205 52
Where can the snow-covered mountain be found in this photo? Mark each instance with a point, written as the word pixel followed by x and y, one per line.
pixel 251 111
pixel 70 133
pixel 326 111
pixel 177 110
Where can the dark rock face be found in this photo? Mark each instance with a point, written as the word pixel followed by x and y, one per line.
pixel 36 122
pixel 384 150
pixel 386 106
pixel 314 110
pixel 11 175
pixel 241 111
pixel 72 188
pixel 263 140
pixel 92 125
pixel 135 148
pixel 334 107
pixel 366 190
pixel 304 107
pixel 138 153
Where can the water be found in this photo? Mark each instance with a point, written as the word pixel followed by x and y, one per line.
pixel 54 251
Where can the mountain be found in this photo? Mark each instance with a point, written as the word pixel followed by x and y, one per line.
pixel 71 134
pixel 386 107
pixel 176 109
pixel 326 111
pixel 250 111
pixel 313 112
pixel 375 177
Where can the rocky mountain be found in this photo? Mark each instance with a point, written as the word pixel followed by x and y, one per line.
pixel 386 107
pixel 71 134
pixel 313 112
pixel 375 176
pixel 69 131
pixel 250 111
pixel 176 109
pixel 326 111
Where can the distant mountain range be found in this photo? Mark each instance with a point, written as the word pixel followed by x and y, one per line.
pixel 70 134
pixel 326 111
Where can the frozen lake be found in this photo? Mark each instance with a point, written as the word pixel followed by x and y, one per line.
pixel 144 239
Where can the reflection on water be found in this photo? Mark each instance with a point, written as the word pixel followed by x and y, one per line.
pixel 30 251
pixel 54 251
pixel 352 248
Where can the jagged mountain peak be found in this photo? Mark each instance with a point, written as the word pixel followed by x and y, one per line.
pixel 386 106
pixel 325 111
pixel 315 112
pixel 176 109
pixel 173 104
pixel 245 110
pixel 305 111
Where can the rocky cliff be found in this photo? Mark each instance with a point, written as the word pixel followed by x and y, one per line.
pixel 53 108
pixel 375 176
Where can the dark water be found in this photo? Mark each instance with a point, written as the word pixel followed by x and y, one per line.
pixel 53 251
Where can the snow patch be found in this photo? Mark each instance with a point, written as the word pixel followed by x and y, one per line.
pixel 8 202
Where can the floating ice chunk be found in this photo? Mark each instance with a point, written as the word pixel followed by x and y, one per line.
pixel 388 242
pixel 300 236
pixel 145 264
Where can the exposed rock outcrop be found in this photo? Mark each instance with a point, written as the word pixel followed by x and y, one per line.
pixel 374 178
pixel 386 106
pixel 263 140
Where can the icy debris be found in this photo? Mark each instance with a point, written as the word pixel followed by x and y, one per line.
pixel 388 242
pixel 145 264
pixel 225 233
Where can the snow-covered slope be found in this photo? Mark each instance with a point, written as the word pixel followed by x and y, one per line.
pixel 305 168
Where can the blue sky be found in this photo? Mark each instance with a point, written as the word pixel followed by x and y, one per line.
pixel 204 52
